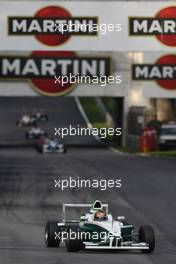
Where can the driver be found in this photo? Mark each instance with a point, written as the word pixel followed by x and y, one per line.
pixel 100 215
pixel 26 118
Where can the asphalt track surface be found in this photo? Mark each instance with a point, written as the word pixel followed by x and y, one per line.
pixel 28 198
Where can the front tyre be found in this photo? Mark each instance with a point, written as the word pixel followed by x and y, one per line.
pixel 39 148
pixel 74 244
pixel 146 234
pixel 51 229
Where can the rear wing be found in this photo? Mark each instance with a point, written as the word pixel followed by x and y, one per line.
pixel 64 206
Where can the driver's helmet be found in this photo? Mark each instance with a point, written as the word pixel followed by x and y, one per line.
pixel 100 215
pixel 26 118
pixel 53 142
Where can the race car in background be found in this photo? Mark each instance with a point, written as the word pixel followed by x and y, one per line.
pixel 53 145
pixel 98 230
pixel 26 121
pixel 35 133
pixel 40 115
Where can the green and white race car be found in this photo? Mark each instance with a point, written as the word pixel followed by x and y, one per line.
pixel 97 230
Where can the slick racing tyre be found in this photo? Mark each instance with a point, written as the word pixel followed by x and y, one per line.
pixel 74 244
pixel 18 123
pixel 39 148
pixel 51 230
pixel 26 135
pixel 146 234
pixel 64 149
pixel 44 118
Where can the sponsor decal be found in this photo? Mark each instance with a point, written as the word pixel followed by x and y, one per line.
pixel 42 66
pixel 162 26
pixel 163 72
pixel 52 25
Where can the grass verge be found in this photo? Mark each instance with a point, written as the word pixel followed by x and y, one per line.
pixel 169 153
pixel 93 113
pixel 127 150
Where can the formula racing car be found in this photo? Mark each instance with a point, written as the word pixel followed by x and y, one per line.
pixel 98 230
pixel 35 133
pixel 40 116
pixel 26 121
pixel 54 145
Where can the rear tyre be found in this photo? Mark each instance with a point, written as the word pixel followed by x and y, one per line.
pixel 51 230
pixel 39 148
pixel 146 234
pixel 45 118
pixel 65 149
pixel 18 123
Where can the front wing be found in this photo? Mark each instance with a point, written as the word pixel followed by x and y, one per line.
pixel 47 149
pixel 133 246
